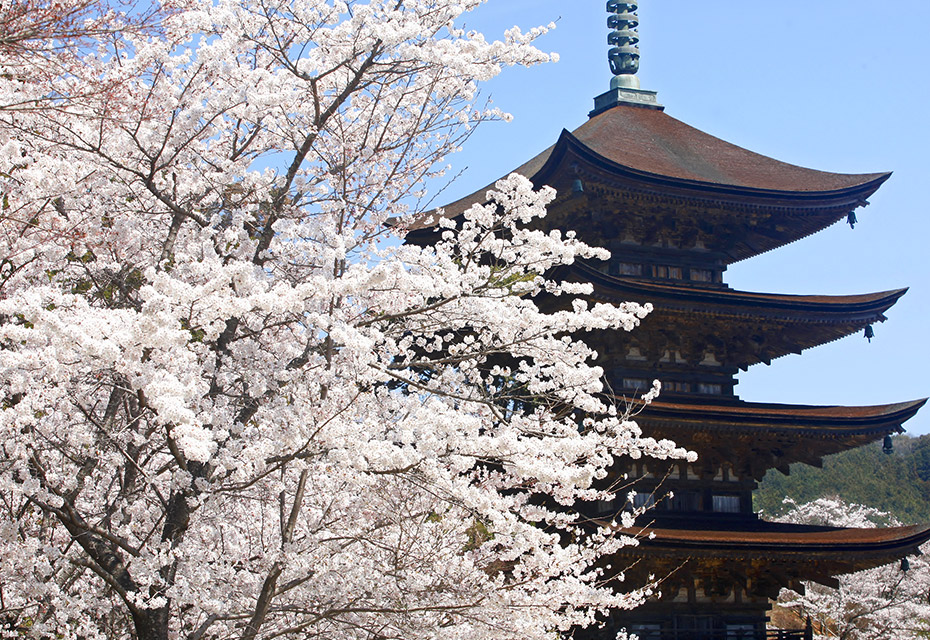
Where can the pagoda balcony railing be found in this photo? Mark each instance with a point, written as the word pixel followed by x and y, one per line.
pixel 768 634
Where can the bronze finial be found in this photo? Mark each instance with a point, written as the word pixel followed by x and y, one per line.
pixel 624 53
pixel 624 61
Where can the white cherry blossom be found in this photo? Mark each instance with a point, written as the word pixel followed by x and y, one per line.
pixel 234 402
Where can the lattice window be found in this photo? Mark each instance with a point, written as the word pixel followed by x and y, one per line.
pixel 644 500
pixel 667 272
pixel 726 504
pixel 629 269
pixel 637 384
pixel 702 275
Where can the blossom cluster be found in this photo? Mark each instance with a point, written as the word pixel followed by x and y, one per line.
pixel 234 402
pixel 885 602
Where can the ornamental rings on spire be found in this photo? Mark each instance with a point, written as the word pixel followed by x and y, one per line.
pixel 623 38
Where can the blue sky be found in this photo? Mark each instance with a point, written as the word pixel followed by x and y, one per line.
pixel 837 85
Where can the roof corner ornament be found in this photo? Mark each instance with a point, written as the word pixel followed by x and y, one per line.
pixel 623 39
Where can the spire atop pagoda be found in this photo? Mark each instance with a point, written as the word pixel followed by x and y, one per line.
pixel 623 38
pixel 623 57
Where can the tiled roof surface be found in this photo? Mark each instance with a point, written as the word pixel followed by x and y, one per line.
pixel 721 297
pixel 792 538
pixel 799 412
pixel 652 141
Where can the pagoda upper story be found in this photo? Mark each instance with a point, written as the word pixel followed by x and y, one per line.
pixel 676 206
pixel 699 337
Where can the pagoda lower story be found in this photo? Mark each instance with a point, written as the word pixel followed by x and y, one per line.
pixel 716 585
pixel 716 572
pixel 716 566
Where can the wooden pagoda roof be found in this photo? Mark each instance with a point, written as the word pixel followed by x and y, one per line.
pixel 824 419
pixel 756 437
pixel 661 147
pixel 849 549
pixel 747 328
pixel 791 538
pixel 648 151
pixel 725 301
pixel 773 554
pixel 655 147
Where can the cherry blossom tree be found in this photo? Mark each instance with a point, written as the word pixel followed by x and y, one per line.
pixel 34 26
pixel 234 403
pixel 40 39
pixel 886 602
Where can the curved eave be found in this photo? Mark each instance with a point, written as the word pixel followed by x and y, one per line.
pixel 795 214
pixel 819 421
pixel 850 549
pixel 541 168
pixel 790 323
pixel 852 196
pixel 659 147
pixel 774 555
pixel 648 149
pixel 841 550
pixel 756 437
pixel 868 307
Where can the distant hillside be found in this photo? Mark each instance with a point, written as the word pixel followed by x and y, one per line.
pixel 898 483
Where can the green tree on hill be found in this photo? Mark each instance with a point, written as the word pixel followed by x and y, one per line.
pixel 898 483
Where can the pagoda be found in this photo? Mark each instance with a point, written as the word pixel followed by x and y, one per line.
pixel 675 207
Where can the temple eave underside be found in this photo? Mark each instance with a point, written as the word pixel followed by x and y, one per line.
pixel 607 205
pixel 720 327
pixel 765 556
pixel 752 438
